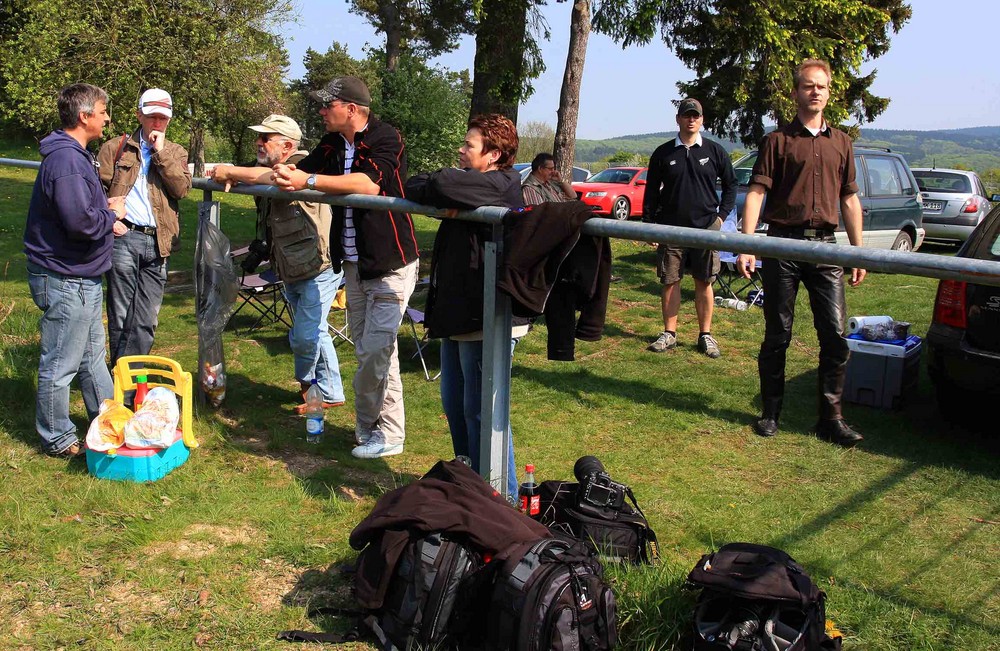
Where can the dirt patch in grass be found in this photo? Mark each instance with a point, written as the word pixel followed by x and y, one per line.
pixel 200 540
pixel 298 463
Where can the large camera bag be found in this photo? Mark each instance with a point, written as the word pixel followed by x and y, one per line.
pixel 617 535
pixel 757 598
pixel 551 595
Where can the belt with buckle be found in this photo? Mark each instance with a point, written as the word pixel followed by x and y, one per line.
pixel 803 233
pixel 146 230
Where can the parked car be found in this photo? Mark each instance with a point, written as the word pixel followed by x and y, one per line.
pixel 524 169
pixel 954 202
pixel 963 341
pixel 615 192
pixel 890 202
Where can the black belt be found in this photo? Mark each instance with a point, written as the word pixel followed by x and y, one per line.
pixel 147 230
pixel 800 233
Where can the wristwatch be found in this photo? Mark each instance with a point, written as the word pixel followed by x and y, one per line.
pixel 311 182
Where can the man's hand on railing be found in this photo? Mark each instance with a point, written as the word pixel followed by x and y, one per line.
pixel 222 174
pixel 287 177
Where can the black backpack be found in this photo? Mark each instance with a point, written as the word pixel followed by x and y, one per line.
pixel 428 590
pixel 617 534
pixel 757 598
pixel 551 595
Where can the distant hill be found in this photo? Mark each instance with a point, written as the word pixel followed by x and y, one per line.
pixel 975 148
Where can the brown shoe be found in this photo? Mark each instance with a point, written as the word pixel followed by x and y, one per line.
pixel 71 452
pixel 301 409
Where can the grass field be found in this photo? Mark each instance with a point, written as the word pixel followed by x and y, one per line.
pixel 232 547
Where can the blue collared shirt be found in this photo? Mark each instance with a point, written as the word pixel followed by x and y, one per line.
pixel 138 209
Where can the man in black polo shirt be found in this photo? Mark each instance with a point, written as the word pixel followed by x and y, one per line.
pixel 680 191
pixel 377 249
pixel 806 169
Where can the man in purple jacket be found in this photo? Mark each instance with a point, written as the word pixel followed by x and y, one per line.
pixel 68 241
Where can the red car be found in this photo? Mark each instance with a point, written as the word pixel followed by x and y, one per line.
pixel 616 192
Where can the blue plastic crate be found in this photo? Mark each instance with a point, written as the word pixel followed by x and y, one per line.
pixel 139 465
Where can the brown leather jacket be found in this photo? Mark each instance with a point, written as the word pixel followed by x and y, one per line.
pixel 169 182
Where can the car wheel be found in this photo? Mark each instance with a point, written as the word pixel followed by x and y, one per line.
pixel 621 209
pixel 903 242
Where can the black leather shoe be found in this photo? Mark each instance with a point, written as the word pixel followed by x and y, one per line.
pixel 764 426
pixel 839 432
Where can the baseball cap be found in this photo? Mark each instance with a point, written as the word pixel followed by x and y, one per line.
pixel 689 105
pixel 347 89
pixel 156 101
pixel 281 124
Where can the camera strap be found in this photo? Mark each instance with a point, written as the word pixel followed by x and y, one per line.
pixel 650 535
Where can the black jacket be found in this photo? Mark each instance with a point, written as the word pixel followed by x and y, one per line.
pixel 688 176
pixel 386 239
pixel 455 297
pixel 549 268
pixel 451 499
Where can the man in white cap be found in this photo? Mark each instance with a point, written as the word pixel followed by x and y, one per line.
pixel 298 235
pixel 152 174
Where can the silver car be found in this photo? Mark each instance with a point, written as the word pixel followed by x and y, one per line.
pixel 955 201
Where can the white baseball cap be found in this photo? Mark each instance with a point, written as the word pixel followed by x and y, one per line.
pixel 156 101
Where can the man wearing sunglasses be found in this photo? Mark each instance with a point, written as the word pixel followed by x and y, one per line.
pixel 376 248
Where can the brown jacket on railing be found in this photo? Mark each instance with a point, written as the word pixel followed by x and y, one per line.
pixel 169 182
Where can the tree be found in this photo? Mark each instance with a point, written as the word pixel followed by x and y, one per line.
pixel 564 150
pixel 425 27
pixel 507 55
pixel 743 53
pixel 534 138
pixel 205 55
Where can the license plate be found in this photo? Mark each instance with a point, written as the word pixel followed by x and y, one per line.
pixel 933 205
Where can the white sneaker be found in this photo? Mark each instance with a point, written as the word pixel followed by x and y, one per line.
pixel 361 434
pixel 376 447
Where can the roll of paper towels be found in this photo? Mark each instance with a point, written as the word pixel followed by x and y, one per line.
pixel 855 323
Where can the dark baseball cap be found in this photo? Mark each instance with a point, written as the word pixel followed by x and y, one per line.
pixel 346 89
pixel 689 105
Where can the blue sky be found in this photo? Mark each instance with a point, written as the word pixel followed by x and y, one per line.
pixel 939 72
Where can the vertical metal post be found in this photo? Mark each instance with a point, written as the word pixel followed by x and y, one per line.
pixel 495 433
pixel 208 210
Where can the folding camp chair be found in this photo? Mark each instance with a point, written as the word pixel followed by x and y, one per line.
pixel 730 283
pixel 263 292
pixel 340 333
pixel 414 316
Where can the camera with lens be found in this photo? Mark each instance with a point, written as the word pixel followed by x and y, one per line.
pixel 259 251
pixel 596 486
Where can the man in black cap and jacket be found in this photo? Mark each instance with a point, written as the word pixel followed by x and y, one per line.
pixel 376 248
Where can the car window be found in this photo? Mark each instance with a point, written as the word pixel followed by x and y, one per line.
pixel 612 175
pixel 883 180
pixel 936 181
pixel 979 187
pixel 642 176
pixel 904 178
pixel 744 168
pixel 859 176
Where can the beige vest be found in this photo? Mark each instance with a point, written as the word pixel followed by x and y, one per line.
pixel 300 236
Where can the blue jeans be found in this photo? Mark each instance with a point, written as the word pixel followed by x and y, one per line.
pixel 135 294
pixel 461 397
pixel 312 345
pixel 72 345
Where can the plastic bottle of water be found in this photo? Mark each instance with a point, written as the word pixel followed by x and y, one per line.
pixel 314 414
pixel 734 303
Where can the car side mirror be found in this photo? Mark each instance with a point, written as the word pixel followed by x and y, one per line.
pixel 641 182
pixel 995 197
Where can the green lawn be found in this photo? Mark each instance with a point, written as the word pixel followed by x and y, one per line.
pixel 232 547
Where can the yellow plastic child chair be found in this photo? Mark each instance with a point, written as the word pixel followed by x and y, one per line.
pixel 160 372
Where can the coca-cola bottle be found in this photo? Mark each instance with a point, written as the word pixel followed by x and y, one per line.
pixel 528 497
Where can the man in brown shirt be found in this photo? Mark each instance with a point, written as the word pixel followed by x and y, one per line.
pixel 806 169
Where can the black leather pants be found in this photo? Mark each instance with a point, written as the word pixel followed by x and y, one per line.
pixel 825 284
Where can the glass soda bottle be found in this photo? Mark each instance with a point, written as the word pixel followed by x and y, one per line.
pixel 314 414
pixel 141 389
pixel 528 498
